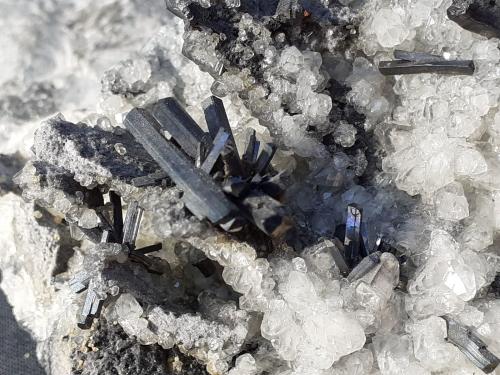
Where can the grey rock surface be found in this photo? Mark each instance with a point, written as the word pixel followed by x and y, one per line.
pixel 18 349
pixel 110 351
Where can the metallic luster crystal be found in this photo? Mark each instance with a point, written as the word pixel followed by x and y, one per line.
pixel 471 345
pixel 479 16
pixel 116 203
pixel 216 118
pixel 201 195
pixel 149 179
pixel 220 141
pixel 416 56
pixel 456 67
pixel 266 213
pixel 352 235
pixel 177 122
pixel 132 223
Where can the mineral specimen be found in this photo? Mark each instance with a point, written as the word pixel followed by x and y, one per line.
pixel 117 244
pixel 352 235
pixel 284 276
pixel 472 346
pixel 418 62
pixel 201 195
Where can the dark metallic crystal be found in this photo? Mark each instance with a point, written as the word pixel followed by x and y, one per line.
pixel 150 179
pixel 132 224
pixel 220 141
pixel 266 154
pixel 216 118
pixel 416 56
pixel 116 203
pixel 338 253
pixel 251 149
pixel 266 213
pixel 471 345
pixel 352 235
pixel 150 248
pixel 456 67
pixel 79 282
pixel 201 195
pixel 479 16
pixel 177 122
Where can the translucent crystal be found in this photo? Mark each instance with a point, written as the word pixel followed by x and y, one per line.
pixel 394 355
pixel 245 365
pixel 88 219
pixel 451 203
pixel 389 27
pixel 430 346
pixel 127 307
pixel 291 60
pixel 345 134
pixel 445 269
pixel 120 149
pixel 469 162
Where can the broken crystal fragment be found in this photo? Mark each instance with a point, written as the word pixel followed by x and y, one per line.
pixel 478 16
pixel 79 282
pixel 216 118
pixel 266 213
pixel 471 345
pixel 219 142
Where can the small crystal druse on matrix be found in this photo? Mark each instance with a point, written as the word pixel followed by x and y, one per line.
pixel 272 187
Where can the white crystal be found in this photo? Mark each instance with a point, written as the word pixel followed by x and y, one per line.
pixel 245 365
pixel 291 60
pixel 127 307
pixel 345 134
pixel 389 27
pixel 469 162
pixel 451 203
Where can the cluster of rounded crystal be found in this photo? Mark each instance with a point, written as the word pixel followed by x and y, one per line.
pixel 291 79
pixel 441 135
pixel 315 320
